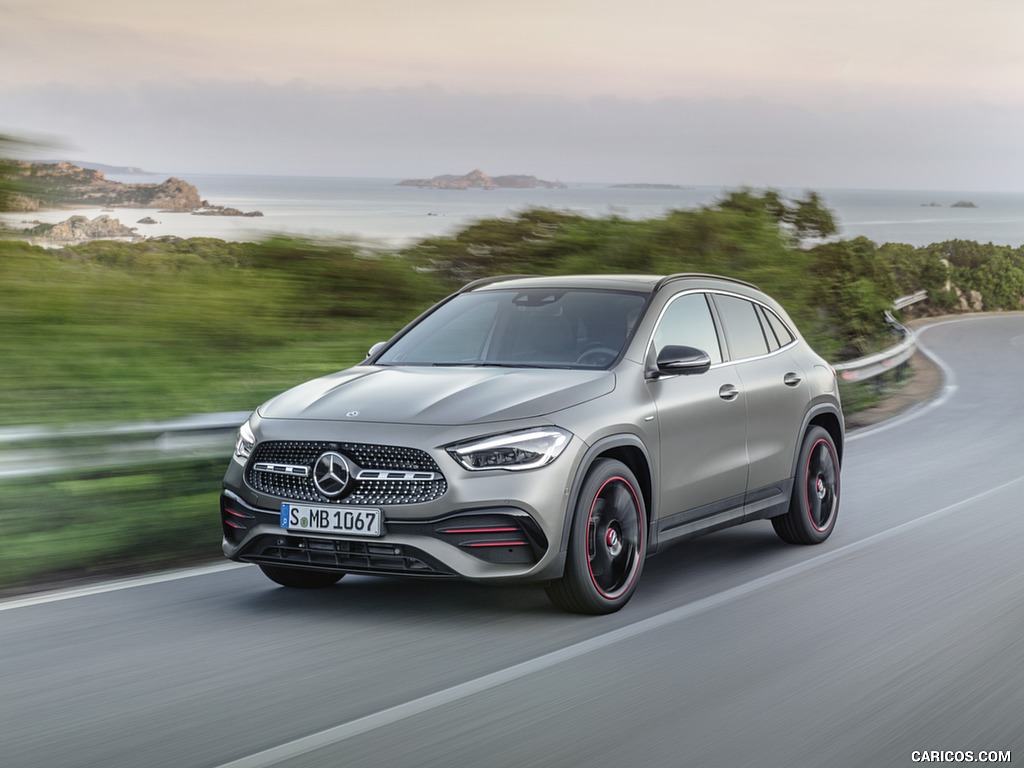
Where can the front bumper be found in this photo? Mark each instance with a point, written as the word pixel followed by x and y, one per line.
pixel 505 537
pixel 479 525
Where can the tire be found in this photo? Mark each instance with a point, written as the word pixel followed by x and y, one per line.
pixel 300 578
pixel 607 543
pixel 814 505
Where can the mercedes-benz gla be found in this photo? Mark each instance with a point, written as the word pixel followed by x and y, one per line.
pixel 557 430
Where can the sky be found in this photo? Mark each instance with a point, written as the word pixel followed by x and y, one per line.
pixel 814 94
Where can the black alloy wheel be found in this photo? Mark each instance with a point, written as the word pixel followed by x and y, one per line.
pixel 607 542
pixel 815 502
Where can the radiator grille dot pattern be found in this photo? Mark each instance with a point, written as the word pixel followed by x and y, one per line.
pixel 360 456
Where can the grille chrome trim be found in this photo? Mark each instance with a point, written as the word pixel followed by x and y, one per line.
pixel 397 476
pixel 282 469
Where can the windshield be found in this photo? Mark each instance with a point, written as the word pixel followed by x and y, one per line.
pixel 548 328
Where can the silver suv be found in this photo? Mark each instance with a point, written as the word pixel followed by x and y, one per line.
pixel 550 429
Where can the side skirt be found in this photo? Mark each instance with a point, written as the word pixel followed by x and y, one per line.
pixel 759 504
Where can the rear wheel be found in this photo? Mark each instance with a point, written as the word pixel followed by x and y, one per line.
pixel 815 502
pixel 300 578
pixel 607 543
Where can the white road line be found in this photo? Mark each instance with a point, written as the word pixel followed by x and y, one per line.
pixel 116 586
pixel 455 693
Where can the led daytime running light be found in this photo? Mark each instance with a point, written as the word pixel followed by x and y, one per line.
pixel 514 451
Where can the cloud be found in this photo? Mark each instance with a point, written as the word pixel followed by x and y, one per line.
pixel 297 128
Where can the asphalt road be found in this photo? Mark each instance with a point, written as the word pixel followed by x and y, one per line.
pixel 903 633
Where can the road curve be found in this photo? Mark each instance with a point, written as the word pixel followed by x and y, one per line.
pixel 903 633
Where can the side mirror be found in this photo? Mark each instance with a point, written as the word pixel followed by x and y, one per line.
pixel 375 349
pixel 678 360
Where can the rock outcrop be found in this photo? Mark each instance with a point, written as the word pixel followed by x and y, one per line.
pixel 65 185
pixel 206 209
pixel 479 180
pixel 79 229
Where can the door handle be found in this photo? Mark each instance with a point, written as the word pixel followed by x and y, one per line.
pixel 728 392
pixel 791 379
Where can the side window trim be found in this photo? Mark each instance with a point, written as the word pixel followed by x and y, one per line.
pixel 765 316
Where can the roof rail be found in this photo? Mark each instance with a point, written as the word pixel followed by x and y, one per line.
pixel 685 275
pixel 479 283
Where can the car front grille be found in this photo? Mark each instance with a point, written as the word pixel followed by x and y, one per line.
pixel 381 474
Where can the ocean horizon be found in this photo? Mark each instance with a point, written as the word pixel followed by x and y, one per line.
pixel 383 212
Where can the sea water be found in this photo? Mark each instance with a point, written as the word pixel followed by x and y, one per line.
pixel 384 212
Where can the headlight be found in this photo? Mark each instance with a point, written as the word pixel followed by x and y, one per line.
pixel 528 449
pixel 244 443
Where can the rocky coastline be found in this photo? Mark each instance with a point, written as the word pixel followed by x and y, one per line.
pixel 64 185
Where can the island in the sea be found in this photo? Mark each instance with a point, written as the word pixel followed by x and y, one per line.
pixel 957 204
pixel 479 180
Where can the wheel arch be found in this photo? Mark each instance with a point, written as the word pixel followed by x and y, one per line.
pixel 631 451
pixel 828 419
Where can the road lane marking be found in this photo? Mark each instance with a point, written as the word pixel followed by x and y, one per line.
pixel 399 712
pixel 116 586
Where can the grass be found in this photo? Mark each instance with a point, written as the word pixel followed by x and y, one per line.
pixel 84 341
pixel 108 522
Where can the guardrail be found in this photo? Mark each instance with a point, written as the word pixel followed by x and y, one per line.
pixel 36 451
pixel 890 359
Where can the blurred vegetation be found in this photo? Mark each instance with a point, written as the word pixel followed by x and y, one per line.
pixel 115 332
pixel 111 522
pixel 112 331
pixel 121 332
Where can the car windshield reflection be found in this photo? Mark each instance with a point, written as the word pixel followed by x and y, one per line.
pixel 535 328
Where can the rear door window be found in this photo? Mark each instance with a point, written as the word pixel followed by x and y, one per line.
pixel 743 331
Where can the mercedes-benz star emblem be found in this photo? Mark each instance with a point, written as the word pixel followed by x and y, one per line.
pixel 331 474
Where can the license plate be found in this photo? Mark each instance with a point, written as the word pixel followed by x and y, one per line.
pixel 326 519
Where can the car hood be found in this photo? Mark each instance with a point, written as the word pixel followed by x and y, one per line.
pixel 438 396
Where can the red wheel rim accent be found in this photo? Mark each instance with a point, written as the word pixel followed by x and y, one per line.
pixel 614 538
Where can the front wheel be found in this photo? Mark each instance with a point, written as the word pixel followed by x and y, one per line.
pixel 300 578
pixel 607 543
pixel 815 502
